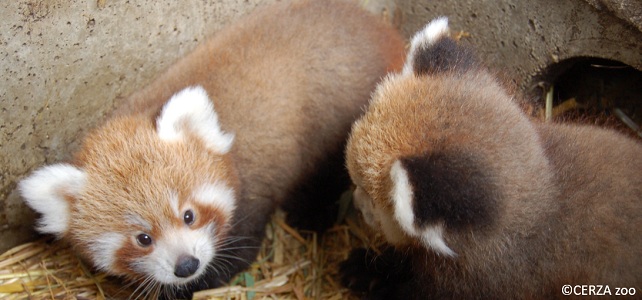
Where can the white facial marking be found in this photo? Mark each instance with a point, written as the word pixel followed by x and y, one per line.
pixel 173 203
pixel 45 191
pixel 432 32
pixel 103 249
pixel 216 194
pixel 402 196
pixel 193 109
pixel 136 220
pixel 175 243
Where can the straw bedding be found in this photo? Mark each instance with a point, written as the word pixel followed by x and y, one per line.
pixel 291 265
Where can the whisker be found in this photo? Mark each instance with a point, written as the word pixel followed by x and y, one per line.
pixel 149 285
pixel 239 247
pixel 129 283
pixel 242 219
pixel 140 290
pixel 219 267
pixel 221 255
pixel 232 240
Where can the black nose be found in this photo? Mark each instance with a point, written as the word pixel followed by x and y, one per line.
pixel 186 266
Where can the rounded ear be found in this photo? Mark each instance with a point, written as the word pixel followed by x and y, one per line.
pixel 191 110
pixel 432 51
pixel 50 191
pixel 443 190
pixel 407 202
pixel 425 38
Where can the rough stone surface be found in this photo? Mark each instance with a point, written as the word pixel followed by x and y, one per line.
pixel 627 10
pixel 525 37
pixel 64 63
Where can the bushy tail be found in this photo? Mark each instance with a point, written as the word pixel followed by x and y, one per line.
pixel 433 51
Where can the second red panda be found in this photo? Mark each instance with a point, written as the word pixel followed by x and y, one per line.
pixel 476 200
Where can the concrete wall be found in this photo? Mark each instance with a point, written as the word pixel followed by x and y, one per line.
pixel 524 38
pixel 63 63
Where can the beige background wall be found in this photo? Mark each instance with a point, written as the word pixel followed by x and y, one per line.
pixel 525 37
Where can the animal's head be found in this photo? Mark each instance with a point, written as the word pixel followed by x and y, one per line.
pixel 143 200
pixel 442 151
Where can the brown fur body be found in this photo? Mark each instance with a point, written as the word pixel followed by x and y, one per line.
pixel 526 207
pixel 287 81
pixel 280 77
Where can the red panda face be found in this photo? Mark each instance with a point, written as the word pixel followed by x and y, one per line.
pixel 152 203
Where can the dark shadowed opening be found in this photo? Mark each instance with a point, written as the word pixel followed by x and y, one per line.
pixel 596 91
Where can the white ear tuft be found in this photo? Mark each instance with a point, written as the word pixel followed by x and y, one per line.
pixel 103 250
pixel 402 196
pixel 433 237
pixel 217 194
pixel 191 109
pixel 430 34
pixel 45 192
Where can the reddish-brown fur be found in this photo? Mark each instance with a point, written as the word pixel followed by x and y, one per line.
pixel 260 75
pixel 569 197
pixel 287 81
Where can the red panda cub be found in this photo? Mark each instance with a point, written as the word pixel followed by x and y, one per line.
pixel 175 189
pixel 478 201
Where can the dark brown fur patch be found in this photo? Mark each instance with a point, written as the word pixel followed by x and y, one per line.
pixel 444 56
pixel 451 187
pixel 128 255
pixel 205 214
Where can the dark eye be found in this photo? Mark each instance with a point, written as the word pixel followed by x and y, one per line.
pixel 188 217
pixel 144 239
